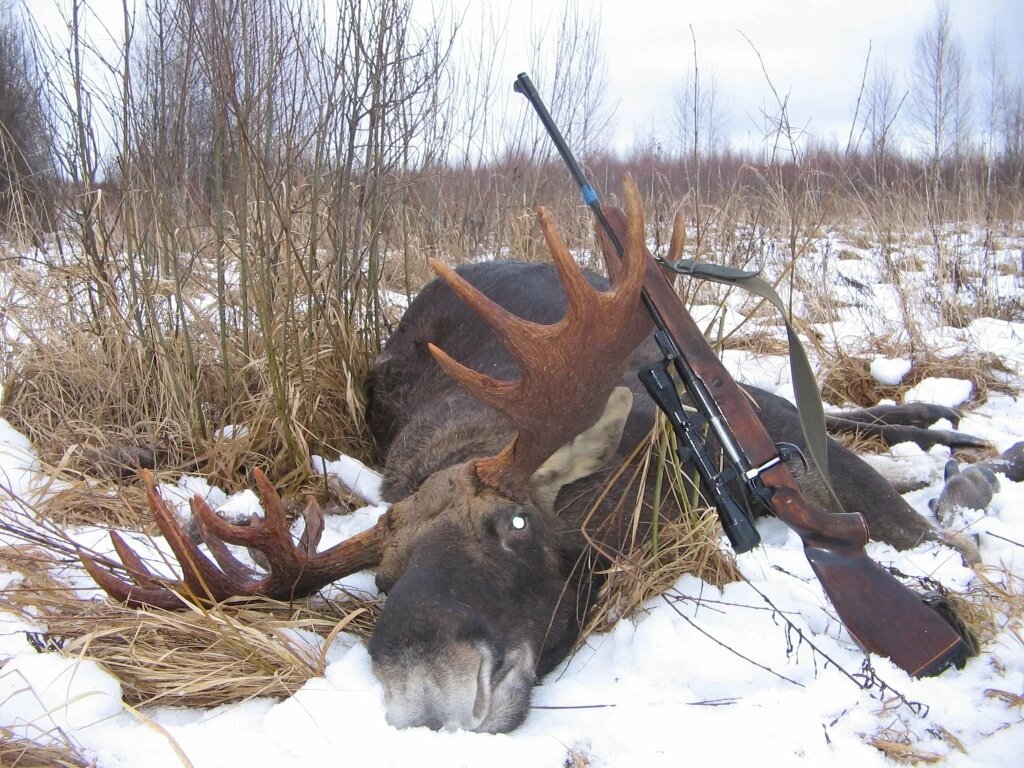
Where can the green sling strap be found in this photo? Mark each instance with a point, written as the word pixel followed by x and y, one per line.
pixel 808 398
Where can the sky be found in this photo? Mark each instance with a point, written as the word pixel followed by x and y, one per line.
pixel 814 51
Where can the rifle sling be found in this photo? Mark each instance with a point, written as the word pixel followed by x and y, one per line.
pixel 805 387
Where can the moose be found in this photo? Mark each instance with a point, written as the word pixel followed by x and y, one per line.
pixel 504 406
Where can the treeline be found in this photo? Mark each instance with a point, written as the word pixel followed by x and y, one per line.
pixel 372 118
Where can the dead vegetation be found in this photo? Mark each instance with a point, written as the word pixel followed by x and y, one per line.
pixel 109 399
pixel 847 379
pixel 205 658
pixel 196 657
pixel 18 752
pixel 687 543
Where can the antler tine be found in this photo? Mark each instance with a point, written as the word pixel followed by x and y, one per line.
pixel 509 328
pixel 314 529
pixel 147 591
pixel 294 571
pixel 675 245
pixel 635 254
pixel 233 568
pixel 580 295
pixel 566 370
pixel 201 578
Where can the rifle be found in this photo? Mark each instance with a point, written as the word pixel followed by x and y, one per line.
pixel 881 614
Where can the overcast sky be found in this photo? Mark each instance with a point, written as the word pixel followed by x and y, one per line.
pixel 813 50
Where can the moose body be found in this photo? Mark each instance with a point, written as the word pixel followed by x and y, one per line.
pixel 463 605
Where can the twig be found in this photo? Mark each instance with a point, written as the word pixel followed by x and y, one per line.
pixel 731 650
pixel 867 679
pixel 1010 541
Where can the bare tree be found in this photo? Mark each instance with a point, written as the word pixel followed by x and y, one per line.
pixel 1013 127
pixel 995 85
pixel 26 166
pixel 699 114
pixel 572 76
pixel 1002 111
pixel 940 103
pixel 882 103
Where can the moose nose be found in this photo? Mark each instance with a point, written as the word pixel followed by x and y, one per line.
pixel 449 689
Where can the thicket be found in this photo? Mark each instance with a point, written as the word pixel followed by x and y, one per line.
pixel 26 172
pixel 248 191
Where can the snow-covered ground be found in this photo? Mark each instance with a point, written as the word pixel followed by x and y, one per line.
pixel 702 675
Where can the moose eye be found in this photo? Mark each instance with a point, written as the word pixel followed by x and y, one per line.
pixel 513 527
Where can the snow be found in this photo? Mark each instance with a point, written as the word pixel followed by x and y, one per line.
pixel 758 672
pixel 941 391
pixel 886 370
pixel 44 695
pixel 354 475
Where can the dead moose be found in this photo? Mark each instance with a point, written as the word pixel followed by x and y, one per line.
pixel 498 470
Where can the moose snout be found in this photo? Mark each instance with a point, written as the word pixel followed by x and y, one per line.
pixel 462 688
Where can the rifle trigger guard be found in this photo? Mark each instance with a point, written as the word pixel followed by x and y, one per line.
pixel 788 452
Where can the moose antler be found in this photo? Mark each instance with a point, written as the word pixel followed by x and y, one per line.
pixel 293 570
pixel 566 374
pixel 566 370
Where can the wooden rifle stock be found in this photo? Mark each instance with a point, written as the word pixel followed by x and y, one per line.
pixel 881 614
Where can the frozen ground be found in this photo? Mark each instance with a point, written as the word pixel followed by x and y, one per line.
pixel 701 675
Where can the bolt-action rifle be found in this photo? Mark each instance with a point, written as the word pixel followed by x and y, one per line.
pixel 879 612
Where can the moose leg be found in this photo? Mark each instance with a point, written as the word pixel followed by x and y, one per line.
pixel 974 486
pixel 902 424
pixel 921 415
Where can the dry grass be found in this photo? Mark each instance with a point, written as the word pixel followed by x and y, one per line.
pixel 75 391
pixel 686 546
pixel 194 657
pixel 90 502
pixel 16 752
pixel 848 379
pixel 903 752
pixel 860 443
pixel 209 657
pixel 995 604
pixel 760 342
pixel 63 399
pixel 684 541
pixel 96 385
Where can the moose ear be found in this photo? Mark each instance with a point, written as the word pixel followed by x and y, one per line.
pixel 584 454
